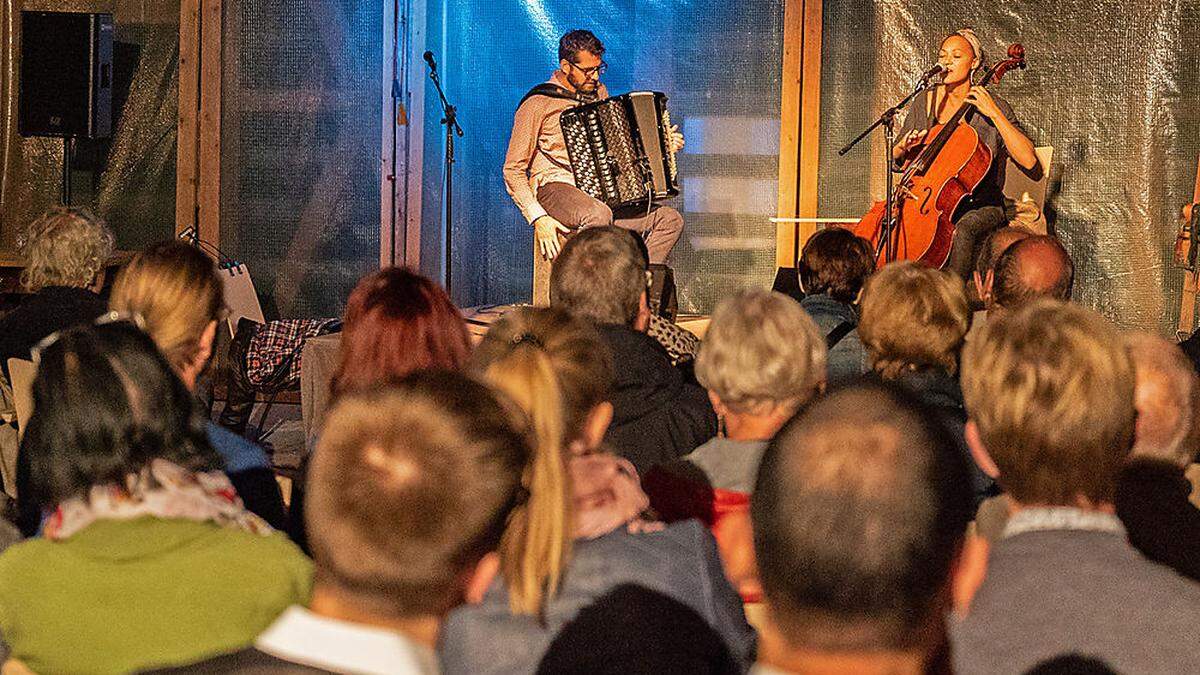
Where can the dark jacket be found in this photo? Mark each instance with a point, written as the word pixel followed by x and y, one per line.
pixel 940 391
pixel 246 661
pixel 847 359
pixel 51 309
pixel 250 471
pixel 1152 503
pixel 658 414
pixel 679 562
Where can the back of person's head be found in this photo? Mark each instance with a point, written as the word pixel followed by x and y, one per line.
pixel 106 403
pixel 174 287
pixel 835 262
pixel 861 506
pixel 1049 389
pixel 398 321
pixel 558 370
pixel 1165 397
pixel 1034 267
pixel 912 318
pixel 995 243
pixel 409 489
pixel 761 351
pixel 66 246
pixel 600 276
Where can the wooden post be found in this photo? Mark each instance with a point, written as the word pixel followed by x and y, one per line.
pixel 414 144
pixel 208 194
pixel 198 154
pixel 187 133
pixel 390 204
pixel 800 126
pixel 1187 300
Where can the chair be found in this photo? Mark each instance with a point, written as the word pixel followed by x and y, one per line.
pixel 541 277
pixel 1023 186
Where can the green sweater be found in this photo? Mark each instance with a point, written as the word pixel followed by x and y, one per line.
pixel 121 596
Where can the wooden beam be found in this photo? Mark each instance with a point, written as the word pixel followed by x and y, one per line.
pixel 389 185
pixel 800 126
pixel 414 137
pixel 209 185
pixel 187 129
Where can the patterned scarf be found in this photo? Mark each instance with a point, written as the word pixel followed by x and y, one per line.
pixel 161 489
pixel 608 495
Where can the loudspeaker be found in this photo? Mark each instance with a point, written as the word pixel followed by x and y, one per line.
pixel 66 74
pixel 787 281
pixel 661 293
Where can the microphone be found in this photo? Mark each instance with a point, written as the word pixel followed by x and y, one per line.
pixel 428 56
pixel 936 70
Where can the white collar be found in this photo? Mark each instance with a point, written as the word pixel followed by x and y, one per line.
pixel 300 636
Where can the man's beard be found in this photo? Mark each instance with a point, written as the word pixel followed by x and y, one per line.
pixel 587 94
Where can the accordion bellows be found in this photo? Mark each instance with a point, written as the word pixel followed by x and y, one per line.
pixel 619 149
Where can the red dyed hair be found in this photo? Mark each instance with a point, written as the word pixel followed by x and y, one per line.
pixel 397 322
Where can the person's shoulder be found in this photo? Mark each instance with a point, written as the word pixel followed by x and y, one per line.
pixel 247 661
pixel 238 452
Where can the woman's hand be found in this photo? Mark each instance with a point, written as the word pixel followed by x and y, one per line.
pixel 911 140
pixel 984 102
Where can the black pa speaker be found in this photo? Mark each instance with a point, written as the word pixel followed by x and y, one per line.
pixel 66 74
pixel 661 294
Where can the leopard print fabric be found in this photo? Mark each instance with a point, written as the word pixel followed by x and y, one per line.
pixel 680 343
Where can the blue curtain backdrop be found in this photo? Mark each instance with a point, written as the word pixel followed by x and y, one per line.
pixel 719 62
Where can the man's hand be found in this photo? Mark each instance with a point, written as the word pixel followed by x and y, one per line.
pixel 547 230
pixel 675 139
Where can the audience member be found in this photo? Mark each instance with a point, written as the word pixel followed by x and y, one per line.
pixel 658 415
pixel 762 358
pixel 148 558
pixel 1050 393
pixel 1034 267
pixel 860 514
pixel 65 251
pixel 1152 492
pixel 832 269
pixel 396 322
pixel 632 629
pixel 580 534
pixel 994 244
pixel 409 496
pixel 175 290
pixel 914 322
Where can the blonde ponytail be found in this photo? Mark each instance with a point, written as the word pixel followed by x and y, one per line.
pixel 557 369
pixel 537 543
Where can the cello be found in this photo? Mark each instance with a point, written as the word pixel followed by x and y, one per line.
pixel 933 184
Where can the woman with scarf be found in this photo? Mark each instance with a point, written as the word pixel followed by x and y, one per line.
pixel 148 558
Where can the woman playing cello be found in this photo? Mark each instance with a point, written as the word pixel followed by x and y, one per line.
pixel 985 208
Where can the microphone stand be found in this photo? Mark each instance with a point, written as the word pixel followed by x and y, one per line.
pixel 889 227
pixel 450 120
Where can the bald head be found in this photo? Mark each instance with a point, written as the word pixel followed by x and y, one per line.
pixel 1164 396
pixel 1034 267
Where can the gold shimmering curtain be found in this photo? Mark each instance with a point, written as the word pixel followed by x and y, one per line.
pixel 129 179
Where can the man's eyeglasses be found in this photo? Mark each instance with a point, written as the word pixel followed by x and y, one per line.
pixel 588 72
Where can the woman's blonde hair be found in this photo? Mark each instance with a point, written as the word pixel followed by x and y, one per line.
pixel 557 369
pixel 176 290
pixel 66 246
pixel 761 350
pixel 913 318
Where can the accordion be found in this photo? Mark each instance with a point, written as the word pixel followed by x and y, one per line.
pixel 619 149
